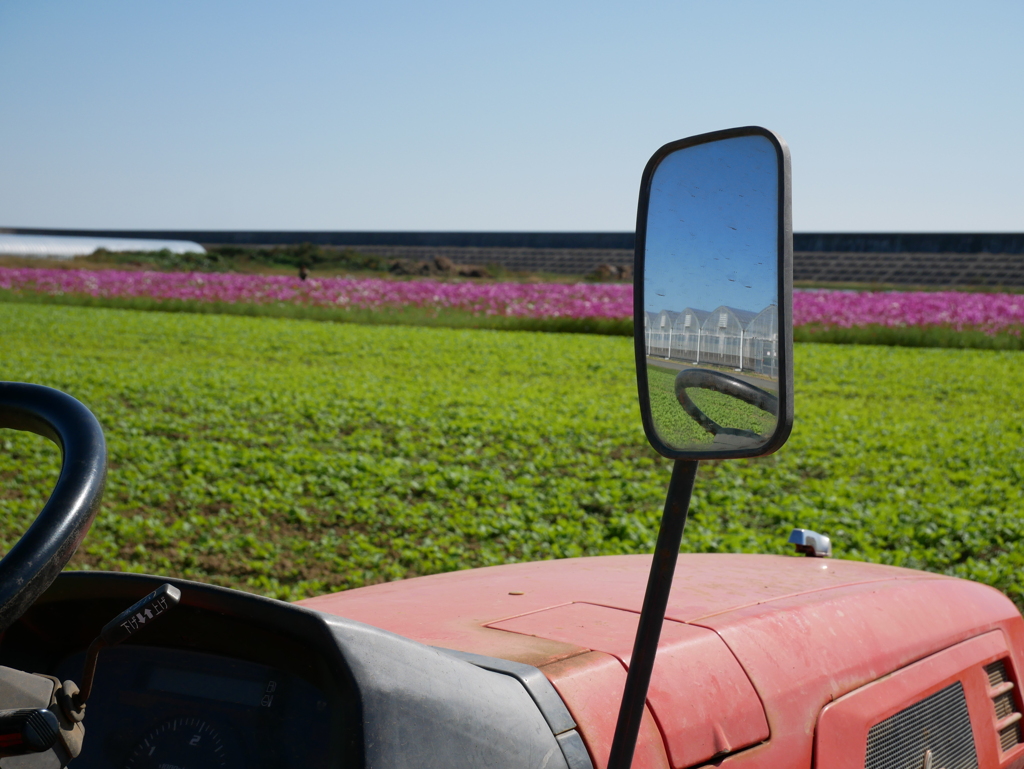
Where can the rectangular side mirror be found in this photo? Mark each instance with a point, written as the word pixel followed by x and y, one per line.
pixel 713 287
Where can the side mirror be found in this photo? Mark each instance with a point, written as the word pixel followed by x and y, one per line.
pixel 713 296
pixel 713 332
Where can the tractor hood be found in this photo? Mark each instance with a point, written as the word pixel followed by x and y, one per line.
pixel 753 646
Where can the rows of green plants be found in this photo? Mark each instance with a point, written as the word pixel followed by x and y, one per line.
pixel 290 457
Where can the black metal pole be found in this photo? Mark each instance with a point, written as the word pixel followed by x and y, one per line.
pixel 659 585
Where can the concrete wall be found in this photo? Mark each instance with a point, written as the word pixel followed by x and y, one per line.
pixel 927 259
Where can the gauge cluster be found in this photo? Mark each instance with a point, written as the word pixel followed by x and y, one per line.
pixel 157 707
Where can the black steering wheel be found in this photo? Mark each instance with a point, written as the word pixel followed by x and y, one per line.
pixel 38 557
pixel 727 385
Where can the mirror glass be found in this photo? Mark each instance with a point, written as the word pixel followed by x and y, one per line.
pixel 710 295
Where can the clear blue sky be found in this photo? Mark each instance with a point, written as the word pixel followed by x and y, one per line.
pixel 712 228
pixel 499 116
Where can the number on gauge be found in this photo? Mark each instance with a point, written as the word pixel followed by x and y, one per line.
pixel 181 743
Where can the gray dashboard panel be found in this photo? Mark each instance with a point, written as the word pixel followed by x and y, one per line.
pixel 424 709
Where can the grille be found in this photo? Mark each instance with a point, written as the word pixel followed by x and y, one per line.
pixel 997 673
pixel 1004 705
pixel 1009 736
pixel 938 723
pixel 1001 690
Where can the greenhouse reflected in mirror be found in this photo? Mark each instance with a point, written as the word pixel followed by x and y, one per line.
pixel 726 336
pixel 711 295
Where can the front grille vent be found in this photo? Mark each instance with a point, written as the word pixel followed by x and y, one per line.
pixel 937 725
pixel 1000 689
pixel 1004 704
pixel 997 673
pixel 1009 737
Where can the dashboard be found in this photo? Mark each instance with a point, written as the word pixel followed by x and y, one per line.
pixel 226 680
pixel 156 707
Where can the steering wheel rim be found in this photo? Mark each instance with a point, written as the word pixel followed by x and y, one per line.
pixel 727 385
pixel 38 557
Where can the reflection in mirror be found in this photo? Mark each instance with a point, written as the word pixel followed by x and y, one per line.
pixel 711 321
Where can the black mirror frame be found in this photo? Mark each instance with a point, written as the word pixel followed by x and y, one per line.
pixel 785 294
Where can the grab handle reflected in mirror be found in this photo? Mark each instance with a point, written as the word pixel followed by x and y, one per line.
pixel 727 385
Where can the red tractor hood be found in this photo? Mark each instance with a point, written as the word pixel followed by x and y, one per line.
pixel 753 647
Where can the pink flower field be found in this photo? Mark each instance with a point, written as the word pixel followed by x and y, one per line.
pixel 533 300
pixel 991 313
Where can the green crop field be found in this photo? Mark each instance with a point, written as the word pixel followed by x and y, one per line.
pixel 291 457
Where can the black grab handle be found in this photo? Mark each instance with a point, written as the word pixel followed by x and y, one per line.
pixel 38 557
pixel 727 385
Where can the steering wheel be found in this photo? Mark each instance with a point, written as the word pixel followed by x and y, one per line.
pixel 727 385
pixel 38 557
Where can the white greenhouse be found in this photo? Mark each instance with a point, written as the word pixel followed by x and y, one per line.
pixel 761 343
pixel 68 247
pixel 727 336
pixel 685 343
pixel 723 336
pixel 658 332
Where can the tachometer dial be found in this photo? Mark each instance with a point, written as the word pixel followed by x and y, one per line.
pixel 181 743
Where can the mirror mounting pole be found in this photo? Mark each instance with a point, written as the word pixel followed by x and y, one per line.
pixel 648 632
